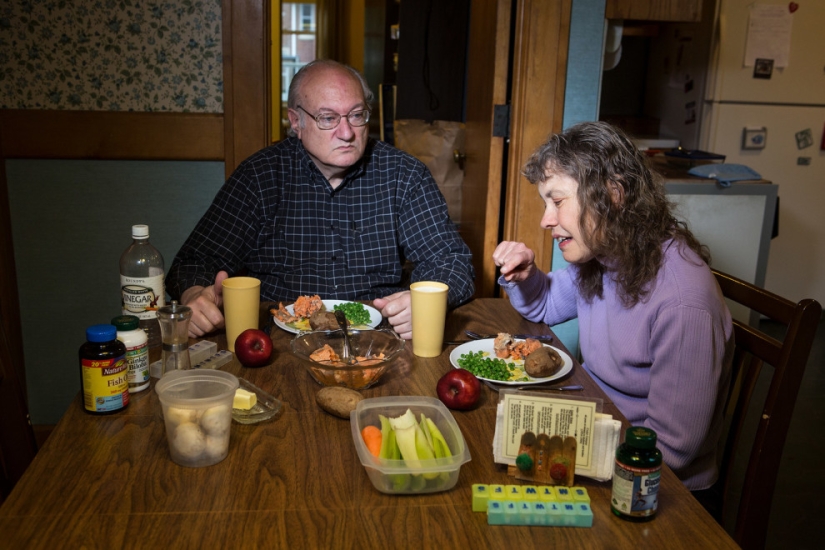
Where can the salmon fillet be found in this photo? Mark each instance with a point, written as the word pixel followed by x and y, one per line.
pixel 305 306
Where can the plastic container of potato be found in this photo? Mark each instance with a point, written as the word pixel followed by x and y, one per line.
pixel 397 476
pixel 197 412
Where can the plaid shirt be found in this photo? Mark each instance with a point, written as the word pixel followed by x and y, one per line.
pixel 281 220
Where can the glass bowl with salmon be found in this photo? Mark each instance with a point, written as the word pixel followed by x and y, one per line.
pixel 373 353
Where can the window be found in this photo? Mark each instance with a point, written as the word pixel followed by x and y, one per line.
pixel 307 17
pixel 298 39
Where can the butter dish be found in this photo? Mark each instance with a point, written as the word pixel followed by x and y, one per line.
pixel 266 406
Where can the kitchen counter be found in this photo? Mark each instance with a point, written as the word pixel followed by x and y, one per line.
pixel 679 174
pixel 736 222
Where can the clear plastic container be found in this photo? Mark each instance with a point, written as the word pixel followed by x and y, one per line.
pixel 197 411
pixel 395 476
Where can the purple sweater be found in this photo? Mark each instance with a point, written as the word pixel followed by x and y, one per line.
pixel 665 362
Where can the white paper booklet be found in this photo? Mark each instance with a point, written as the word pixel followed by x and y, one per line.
pixel 597 434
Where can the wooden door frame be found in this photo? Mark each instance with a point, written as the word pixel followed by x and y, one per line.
pixel 488 55
pixel 247 90
pixel 534 88
pixel 230 137
pixel 542 36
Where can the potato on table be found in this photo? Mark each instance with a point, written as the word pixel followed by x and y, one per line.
pixel 337 400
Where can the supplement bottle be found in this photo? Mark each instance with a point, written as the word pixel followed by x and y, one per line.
pixel 636 476
pixel 137 351
pixel 103 371
pixel 141 283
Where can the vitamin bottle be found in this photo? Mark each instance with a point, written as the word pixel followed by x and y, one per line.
pixel 141 282
pixel 103 371
pixel 636 476
pixel 137 351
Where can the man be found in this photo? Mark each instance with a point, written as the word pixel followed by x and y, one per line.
pixel 327 211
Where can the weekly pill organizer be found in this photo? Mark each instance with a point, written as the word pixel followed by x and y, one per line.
pixel 533 505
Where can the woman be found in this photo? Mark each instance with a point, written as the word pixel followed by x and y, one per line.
pixel 654 329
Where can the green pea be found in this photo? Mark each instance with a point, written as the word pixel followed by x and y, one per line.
pixel 355 312
pixel 485 367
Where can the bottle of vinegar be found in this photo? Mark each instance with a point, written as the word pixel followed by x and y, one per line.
pixel 141 283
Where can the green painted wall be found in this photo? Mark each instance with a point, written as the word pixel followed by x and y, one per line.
pixel 71 220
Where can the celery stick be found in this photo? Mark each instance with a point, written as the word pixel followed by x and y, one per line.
pixel 385 437
pixel 404 427
pixel 440 446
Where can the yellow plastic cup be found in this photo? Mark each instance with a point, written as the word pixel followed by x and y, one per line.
pixel 241 306
pixel 429 312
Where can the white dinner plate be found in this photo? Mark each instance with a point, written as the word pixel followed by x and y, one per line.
pixel 486 345
pixel 329 305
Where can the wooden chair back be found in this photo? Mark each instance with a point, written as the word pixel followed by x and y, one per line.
pixel 755 349
pixel 17 441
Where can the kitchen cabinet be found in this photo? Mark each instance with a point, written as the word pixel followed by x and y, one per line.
pixel 654 10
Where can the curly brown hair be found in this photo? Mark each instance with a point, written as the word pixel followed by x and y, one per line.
pixel 624 201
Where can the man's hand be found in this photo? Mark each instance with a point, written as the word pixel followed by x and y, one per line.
pixel 517 262
pixel 205 303
pixel 396 308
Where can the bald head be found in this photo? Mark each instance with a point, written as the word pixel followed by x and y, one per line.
pixel 320 67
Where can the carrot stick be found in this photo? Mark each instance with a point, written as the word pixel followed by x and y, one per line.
pixel 372 437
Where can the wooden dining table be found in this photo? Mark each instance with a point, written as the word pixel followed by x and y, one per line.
pixel 295 481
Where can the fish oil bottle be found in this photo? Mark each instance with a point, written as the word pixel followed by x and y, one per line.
pixel 636 476
pixel 103 371
pixel 141 283
pixel 137 351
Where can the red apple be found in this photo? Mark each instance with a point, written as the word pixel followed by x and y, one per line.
pixel 459 389
pixel 253 348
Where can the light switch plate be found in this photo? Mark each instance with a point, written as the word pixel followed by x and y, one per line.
pixel 754 138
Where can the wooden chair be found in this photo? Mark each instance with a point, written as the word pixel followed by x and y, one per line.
pixel 17 441
pixel 787 359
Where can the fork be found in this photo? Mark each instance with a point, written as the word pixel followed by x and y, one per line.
pixel 477 336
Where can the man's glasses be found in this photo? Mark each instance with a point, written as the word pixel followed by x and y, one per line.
pixel 330 121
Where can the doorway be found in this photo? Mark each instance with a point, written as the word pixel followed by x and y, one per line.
pixel 516 56
pixel 303 31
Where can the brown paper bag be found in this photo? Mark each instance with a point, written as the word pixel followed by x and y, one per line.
pixel 434 145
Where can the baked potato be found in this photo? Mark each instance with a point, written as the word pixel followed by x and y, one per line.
pixel 543 362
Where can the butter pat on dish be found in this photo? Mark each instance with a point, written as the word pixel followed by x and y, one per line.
pixel 262 406
pixel 244 400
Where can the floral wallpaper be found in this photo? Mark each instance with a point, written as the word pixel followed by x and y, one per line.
pixel 111 55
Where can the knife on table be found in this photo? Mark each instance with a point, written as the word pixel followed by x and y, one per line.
pixel 540 337
pixel 528 387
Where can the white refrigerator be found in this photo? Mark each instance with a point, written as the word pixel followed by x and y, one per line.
pixel 771 118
